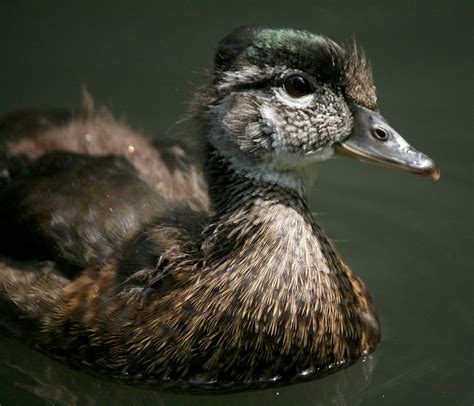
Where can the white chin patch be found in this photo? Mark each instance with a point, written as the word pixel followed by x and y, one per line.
pixel 268 174
pixel 322 154
pixel 288 161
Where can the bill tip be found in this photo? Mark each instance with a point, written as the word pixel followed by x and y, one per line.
pixel 435 173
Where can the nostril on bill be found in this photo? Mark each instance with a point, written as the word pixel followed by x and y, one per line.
pixel 379 133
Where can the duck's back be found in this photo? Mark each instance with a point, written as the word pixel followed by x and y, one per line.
pixel 75 187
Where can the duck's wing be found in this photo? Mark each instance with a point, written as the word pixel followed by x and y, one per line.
pixel 74 208
pixel 27 136
pixel 75 188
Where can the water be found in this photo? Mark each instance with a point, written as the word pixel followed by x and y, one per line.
pixel 410 239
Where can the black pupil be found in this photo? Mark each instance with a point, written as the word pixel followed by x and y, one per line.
pixel 297 86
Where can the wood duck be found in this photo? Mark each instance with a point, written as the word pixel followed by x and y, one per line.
pixel 133 260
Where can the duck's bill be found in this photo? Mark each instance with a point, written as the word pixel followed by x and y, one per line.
pixel 373 140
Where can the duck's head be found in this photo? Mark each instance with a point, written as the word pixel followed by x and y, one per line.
pixel 282 98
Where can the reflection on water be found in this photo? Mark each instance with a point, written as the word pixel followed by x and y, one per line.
pixel 32 373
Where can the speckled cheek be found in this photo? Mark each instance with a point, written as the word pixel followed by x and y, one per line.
pixel 236 128
pixel 308 129
pixel 338 120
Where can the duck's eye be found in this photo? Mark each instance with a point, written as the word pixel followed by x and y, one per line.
pixel 297 86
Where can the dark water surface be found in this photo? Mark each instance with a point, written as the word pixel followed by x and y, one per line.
pixel 410 239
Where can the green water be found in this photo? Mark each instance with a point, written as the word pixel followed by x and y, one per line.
pixel 410 239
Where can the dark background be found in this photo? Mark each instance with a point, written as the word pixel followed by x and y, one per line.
pixel 410 239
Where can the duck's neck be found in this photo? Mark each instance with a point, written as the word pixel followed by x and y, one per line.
pixel 275 274
pixel 235 183
pixel 263 221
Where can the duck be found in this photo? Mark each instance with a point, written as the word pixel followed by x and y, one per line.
pixel 138 261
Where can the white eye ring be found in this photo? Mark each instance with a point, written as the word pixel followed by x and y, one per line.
pixel 293 102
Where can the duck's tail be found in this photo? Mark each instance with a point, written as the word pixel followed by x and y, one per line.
pixel 27 290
